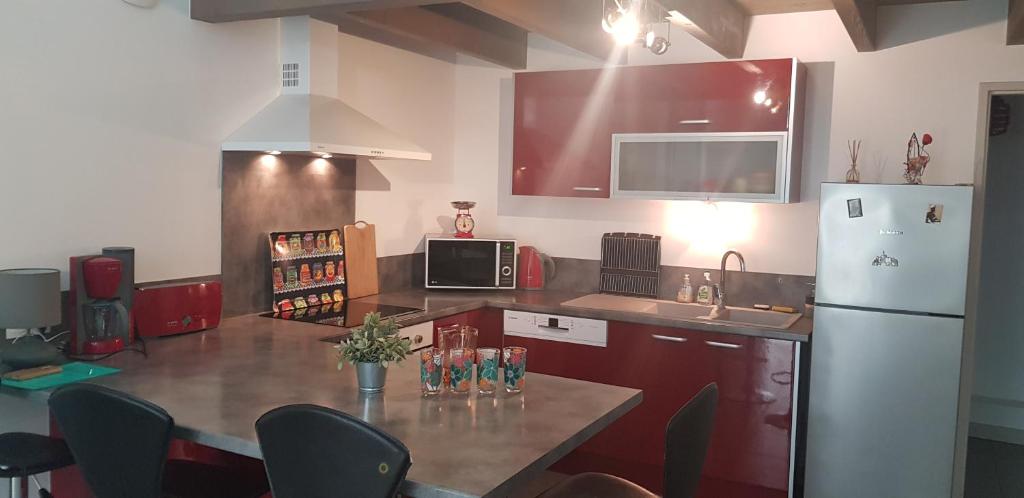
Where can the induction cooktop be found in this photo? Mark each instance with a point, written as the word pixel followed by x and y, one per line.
pixel 345 314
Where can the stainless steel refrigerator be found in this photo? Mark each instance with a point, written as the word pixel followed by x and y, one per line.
pixel 887 340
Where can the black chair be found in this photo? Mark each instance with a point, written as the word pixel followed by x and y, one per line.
pixel 686 446
pixel 120 443
pixel 315 452
pixel 23 455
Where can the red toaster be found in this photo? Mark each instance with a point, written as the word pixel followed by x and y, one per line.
pixel 171 309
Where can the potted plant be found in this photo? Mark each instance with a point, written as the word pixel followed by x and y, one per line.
pixel 372 347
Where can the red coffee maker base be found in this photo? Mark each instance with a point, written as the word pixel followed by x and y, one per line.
pixel 107 346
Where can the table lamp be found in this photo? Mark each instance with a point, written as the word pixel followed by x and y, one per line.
pixel 29 299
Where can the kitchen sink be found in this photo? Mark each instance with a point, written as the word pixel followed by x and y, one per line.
pixel 689 311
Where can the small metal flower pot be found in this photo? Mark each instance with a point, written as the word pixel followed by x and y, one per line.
pixel 371 377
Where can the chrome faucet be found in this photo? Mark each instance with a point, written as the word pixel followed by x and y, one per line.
pixel 719 311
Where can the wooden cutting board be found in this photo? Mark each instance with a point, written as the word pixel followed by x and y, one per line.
pixel 361 260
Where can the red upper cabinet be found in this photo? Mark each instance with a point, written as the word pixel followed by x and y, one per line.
pixel 721 130
pixel 562 133
pixel 707 97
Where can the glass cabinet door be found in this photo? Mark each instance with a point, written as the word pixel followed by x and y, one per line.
pixel 704 166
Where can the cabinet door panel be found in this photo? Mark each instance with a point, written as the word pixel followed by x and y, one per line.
pixel 751 440
pixel 707 97
pixel 562 134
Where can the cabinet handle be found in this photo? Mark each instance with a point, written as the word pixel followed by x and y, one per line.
pixel 695 121
pixel 726 345
pixel 418 339
pixel 668 338
pixel 587 189
pixel 554 329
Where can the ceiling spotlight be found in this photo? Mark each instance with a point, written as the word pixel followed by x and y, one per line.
pixel 626 29
pixel 326 155
pixel 274 152
pixel 659 45
pixel 760 96
pixel 649 38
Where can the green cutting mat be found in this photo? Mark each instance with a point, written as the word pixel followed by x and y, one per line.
pixel 73 372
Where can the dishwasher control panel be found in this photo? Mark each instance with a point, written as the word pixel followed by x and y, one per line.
pixel 556 328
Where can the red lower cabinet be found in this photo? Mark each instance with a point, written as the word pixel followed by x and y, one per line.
pixel 750 443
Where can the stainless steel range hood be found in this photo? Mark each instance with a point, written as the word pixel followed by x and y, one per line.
pixel 307 116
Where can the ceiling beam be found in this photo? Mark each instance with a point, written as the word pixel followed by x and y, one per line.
pixel 456 26
pixel 357 27
pixel 719 24
pixel 573 23
pixel 860 18
pixel 239 10
pixel 1015 23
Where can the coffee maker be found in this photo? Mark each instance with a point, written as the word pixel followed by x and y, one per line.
pixel 102 289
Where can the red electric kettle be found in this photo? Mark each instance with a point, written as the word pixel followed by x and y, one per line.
pixel 535 268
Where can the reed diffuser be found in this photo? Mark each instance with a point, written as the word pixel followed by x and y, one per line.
pixel 853 175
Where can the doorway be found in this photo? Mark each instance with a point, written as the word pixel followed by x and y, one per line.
pixel 995 430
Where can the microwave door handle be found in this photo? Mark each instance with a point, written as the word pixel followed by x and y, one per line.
pixel 497 265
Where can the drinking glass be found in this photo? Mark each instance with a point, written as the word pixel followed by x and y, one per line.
pixel 515 368
pixel 431 367
pixel 444 339
pixel 460 361
pixel 487 369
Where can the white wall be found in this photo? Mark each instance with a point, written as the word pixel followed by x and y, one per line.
pixel 925 79
pixel 111 119
pixel 999 343
pixel 414 96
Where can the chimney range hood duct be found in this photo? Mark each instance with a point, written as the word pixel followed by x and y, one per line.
pixel 307 116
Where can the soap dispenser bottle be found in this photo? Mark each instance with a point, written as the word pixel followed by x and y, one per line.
pixel 704 292
pixel 685 294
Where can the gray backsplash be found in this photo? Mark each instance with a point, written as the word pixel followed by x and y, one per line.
pixel 263 194
pixel 582 275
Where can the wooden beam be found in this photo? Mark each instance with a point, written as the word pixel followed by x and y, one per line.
pixel 1015 23
pixel 356 27
pixel 238 10
pixel 454 25
pixel 573 23
pixel 859 17
pixel 720 24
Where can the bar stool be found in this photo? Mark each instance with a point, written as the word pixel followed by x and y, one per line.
pixel 313 452
pixel 23 455
pixel 686 446
pixel 120 443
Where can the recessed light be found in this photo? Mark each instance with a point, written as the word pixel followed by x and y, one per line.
pixel 274 152
pixel 326 155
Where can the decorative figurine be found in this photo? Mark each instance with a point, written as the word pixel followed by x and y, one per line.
pixel 852 175
pixel 463 220
pixel 917 158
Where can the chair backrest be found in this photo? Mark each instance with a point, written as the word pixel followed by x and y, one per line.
pixel 686 443
pixel 119 442
pixel 315 452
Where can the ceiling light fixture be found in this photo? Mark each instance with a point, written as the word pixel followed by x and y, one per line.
pixel 274 152
pixel 628 23
pixel 326 155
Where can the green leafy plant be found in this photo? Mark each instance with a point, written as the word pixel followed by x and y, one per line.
pixel 374 342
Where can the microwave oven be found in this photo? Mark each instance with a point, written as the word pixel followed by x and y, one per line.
pixel 477 263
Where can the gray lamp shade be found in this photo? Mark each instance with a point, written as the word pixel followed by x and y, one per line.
pixel 29 298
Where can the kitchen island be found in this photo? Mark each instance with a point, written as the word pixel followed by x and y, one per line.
pixel 217 383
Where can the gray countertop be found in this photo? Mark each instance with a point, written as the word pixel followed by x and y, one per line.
pixel 439 304
pixel 217 383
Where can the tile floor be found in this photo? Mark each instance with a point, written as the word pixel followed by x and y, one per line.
pixel 994 469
